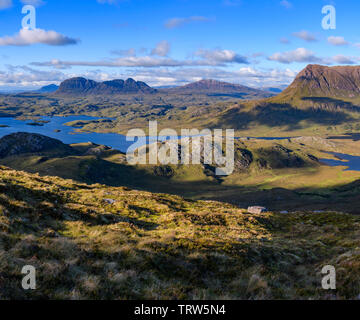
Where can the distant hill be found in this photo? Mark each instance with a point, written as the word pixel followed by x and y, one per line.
pixel 82 86
pixel 48 89
pixel 275 90
pixel 214 87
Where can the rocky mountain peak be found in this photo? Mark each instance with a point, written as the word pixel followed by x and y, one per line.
pixel 82 86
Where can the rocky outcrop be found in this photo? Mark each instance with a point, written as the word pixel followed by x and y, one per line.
pixel 243 159
pixel 21 143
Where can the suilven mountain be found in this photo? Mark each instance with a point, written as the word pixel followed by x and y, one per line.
pixel 82 86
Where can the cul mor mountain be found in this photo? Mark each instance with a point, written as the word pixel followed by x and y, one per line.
pixel 320 81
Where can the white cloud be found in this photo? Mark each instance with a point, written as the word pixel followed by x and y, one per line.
pixel 286 4
pixel 27 37
pixel 23 76
pixel 221 56
pixel 162 49
pixel 178 22
pixel 307 56
pixel 337 41
pixel 305 35
pixel 298 55
pixel 5 4
pixel 341 59
pixel 267 76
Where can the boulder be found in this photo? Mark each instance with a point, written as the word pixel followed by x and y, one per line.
pixel 256 210
pixel 110 201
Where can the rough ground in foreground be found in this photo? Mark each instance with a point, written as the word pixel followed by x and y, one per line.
pixel 98 242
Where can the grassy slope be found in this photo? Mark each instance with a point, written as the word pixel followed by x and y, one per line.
pixel 156 246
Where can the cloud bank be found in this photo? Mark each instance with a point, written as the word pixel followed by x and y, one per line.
pixel 338 41
pixel 26 37
pixel 158 58
pixel 298 55
pixel 23 76
pixel 305 35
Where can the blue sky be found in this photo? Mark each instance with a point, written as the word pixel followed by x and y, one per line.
pixel 252 42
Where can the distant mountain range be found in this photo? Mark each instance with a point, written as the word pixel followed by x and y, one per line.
pixel 340 82
pixel 82 86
